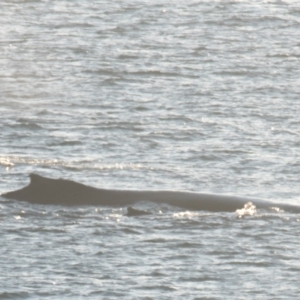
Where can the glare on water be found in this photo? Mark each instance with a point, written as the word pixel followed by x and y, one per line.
pixel 177 95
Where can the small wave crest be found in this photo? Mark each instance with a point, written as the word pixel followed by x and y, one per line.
pixel 5 161
pixel 27 124
pixel 77 164
pixel 186 215
pixel 249 209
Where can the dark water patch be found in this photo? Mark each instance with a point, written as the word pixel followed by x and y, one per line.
pixel 43 112
pixel 100 253
pixel 112 294
pixel 141 108
pixel 198 279
pixel 14 295
pixel 239 73
pixel 156 240
pixel 156 73
pixel 130 231
pixel 128 56
pixel 27 124
pixel 73 25
pixel 283 257
pixel 226 253
pixel 106 72
pixel 258 263
pixel 158 274
pixel 165 288
pixel 110 81
pixel 294 269
pixel 69 143
pixel 42 230
pixel 188 245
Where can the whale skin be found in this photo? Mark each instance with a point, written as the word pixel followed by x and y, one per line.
pixel 44 190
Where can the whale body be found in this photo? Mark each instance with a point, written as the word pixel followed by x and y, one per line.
pixel 43 190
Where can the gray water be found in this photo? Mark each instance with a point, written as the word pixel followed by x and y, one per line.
pixel 179 95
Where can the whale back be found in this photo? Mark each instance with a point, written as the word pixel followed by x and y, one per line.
pixel 43 190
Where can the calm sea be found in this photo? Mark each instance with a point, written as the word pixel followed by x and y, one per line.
pixel 180 95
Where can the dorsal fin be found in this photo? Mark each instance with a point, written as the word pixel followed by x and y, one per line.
pixel 35 178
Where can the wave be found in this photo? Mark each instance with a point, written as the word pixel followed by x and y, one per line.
pixel 78 165
pixel 43 190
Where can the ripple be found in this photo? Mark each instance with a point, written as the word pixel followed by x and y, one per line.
pixel 196 95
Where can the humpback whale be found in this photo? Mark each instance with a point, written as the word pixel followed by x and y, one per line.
pixel 43 190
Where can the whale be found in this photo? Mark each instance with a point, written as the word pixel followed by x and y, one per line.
pixel 58 191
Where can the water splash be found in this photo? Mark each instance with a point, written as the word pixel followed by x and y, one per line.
pixel 249 209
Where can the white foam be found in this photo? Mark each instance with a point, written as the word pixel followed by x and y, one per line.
pixel 248 209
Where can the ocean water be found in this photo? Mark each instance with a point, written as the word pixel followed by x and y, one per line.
pixel 189 95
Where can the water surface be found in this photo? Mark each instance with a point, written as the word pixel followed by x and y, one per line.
pixel 194 95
